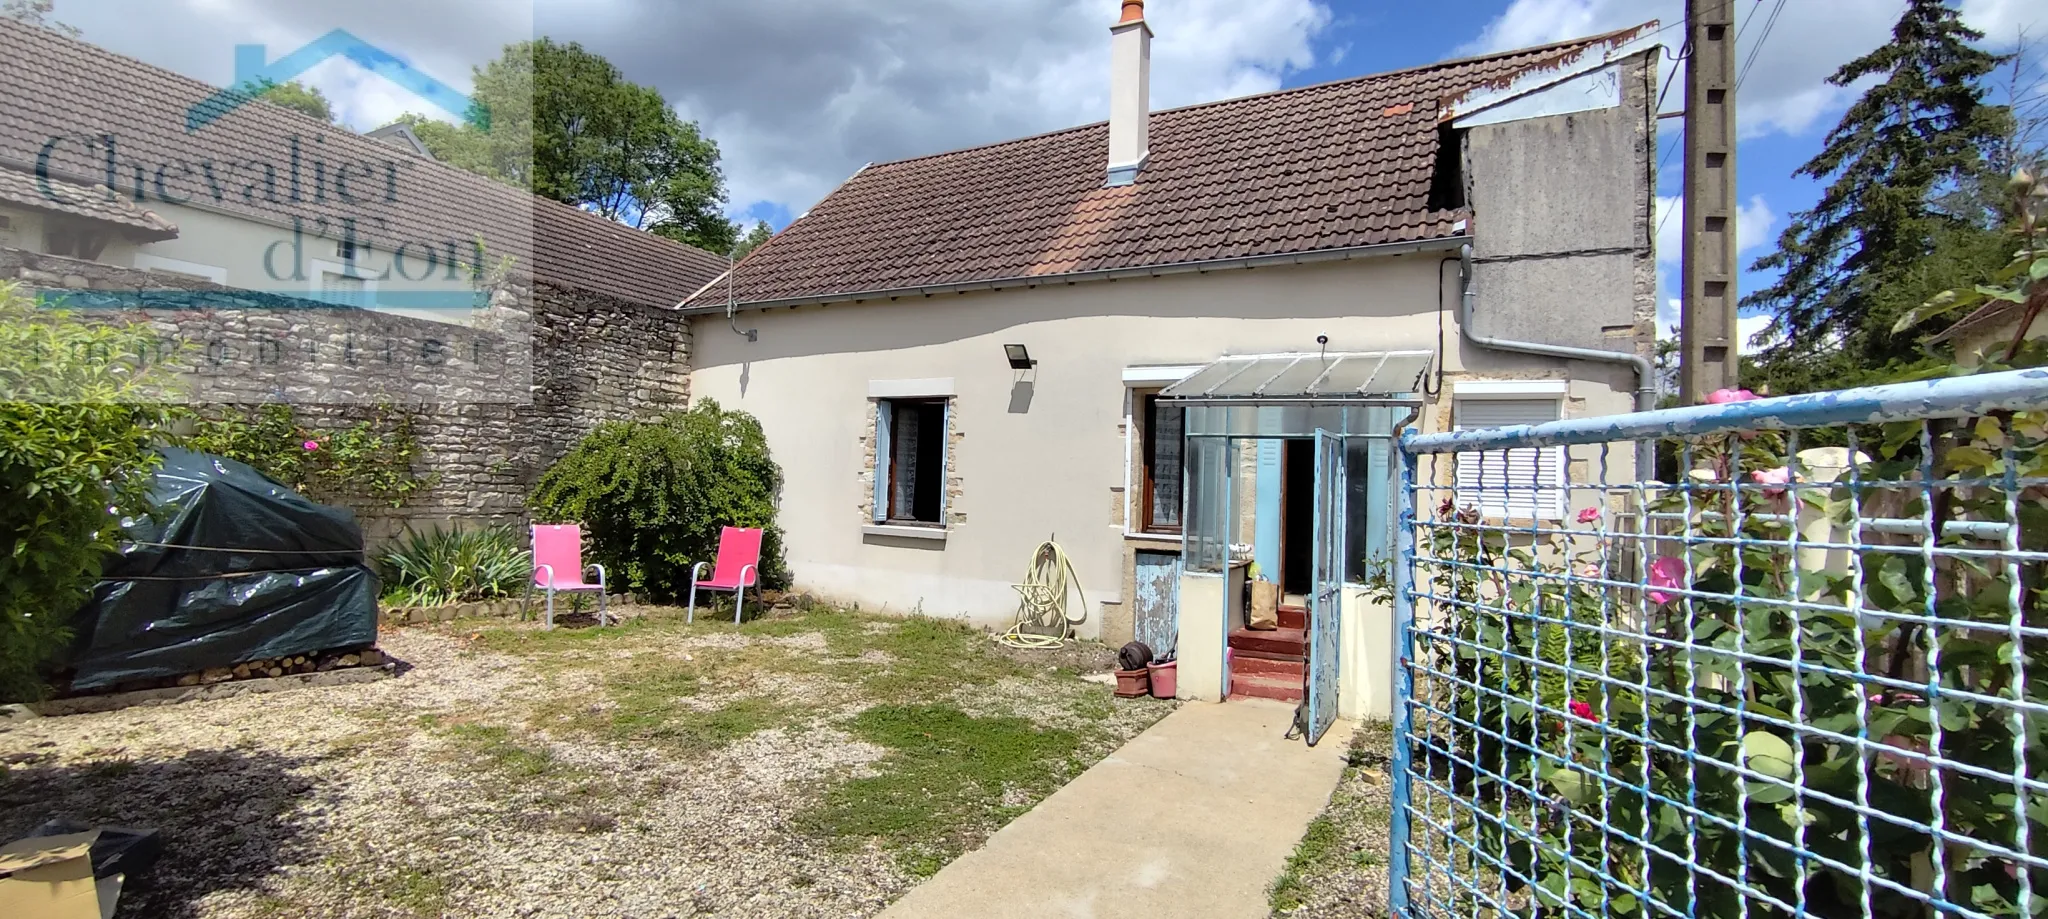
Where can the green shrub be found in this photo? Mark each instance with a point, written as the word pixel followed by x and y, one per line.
pixel 368 459
pixel 439 566
pixel 77 444
pixel 653 495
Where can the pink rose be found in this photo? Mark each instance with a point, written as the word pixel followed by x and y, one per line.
pixel 1589 515
pixel 1666 572
pixel 1725 396
pixel 1581 709
pixel 311 445
pixel 1778 476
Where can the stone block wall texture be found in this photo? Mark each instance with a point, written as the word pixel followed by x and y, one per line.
pixel 493 404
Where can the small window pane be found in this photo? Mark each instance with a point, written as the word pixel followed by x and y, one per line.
pixel 1164 425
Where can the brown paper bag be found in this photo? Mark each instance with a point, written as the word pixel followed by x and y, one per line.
pixel 1265 611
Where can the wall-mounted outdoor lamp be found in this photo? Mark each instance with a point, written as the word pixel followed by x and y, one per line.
pixel 1020 358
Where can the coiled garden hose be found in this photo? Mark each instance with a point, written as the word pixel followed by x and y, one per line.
pixel 1042 601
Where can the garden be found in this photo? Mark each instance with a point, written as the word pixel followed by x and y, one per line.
pixel 811 761
pixel 814 764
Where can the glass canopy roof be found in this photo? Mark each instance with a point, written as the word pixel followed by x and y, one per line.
pixel 1348 376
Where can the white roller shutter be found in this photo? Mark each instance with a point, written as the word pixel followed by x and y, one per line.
pixel 1525 483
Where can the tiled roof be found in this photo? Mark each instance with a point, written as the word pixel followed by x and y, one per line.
pixel 1333 166
pixel 26 190
pixel 58 87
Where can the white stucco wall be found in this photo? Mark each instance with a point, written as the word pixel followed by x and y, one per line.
pixel 1041 454
pixel 24 229
pixel 260 256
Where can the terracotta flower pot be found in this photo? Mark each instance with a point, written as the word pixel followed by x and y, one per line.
pixel 1131 684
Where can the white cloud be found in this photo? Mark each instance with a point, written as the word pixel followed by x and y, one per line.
pixel 2002 21
pixel 1747 328
pixel 1754 222
pixel 1785 90
pixel 798 93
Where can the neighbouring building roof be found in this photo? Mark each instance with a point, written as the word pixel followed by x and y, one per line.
pixel 59 87
pixel 1336 166
pixel 24 189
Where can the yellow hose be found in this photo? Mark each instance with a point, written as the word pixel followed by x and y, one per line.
pixel 1042 601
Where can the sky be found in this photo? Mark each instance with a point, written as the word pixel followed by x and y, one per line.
pixel 799 94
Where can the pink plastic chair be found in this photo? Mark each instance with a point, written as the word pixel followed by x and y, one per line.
pixel 739 564
pixel 558 565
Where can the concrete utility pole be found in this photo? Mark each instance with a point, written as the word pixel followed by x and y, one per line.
pixel 1708 350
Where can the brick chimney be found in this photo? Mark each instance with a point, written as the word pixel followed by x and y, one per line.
pixel 1130 93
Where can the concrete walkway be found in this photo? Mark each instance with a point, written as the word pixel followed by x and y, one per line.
pixel 1223 800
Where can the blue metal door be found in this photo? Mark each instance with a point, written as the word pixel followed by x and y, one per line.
pixel 1157 620
pixel 1327 585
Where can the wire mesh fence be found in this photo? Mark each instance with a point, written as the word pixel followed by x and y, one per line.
pixel 1796 677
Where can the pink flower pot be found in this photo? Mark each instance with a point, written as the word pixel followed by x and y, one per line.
pixel 1164 677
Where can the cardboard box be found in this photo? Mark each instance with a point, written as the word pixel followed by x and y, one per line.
pixel 50 877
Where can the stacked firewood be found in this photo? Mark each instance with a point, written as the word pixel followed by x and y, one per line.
pixel 317 662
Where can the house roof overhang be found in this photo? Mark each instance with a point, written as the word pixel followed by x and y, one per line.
pixel 1318 378
pixel 1445 244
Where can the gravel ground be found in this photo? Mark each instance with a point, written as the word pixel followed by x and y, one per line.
pixel 1340 867
pixel 468 786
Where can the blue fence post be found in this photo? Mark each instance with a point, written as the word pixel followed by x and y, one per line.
pixel 1404 680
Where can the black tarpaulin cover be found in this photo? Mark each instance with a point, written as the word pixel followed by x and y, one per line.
pixel 231 567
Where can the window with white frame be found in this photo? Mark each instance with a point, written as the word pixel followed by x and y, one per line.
pixel 344 289
pixel 910 461
pixel 1526 483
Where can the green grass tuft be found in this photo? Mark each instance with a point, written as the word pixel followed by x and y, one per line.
pixel 497 746
pixel 1316 845
pixel 942 786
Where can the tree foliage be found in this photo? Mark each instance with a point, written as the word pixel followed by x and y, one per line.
pixel 36 13
pixel 77 444
pixel 761 233
pixel 297 96
pixel 1880 239
pixel 564 123
pixel 652 496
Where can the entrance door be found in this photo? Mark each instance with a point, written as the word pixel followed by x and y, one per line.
pixel 1326 591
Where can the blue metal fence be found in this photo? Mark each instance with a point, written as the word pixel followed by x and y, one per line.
pixel 1799 676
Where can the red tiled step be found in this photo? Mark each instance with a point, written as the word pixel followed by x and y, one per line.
pixel 1267 686
pixel 1271 641
pixel 1295 668
pixel 1294 617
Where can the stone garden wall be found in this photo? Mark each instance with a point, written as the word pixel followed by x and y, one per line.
pixel 493 401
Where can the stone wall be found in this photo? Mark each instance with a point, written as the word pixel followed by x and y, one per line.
pixel 494 403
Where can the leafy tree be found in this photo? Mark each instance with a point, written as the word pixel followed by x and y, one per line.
pixel 36 13
pixel 566 124
pixel 1879 240
pixel 761 233
pixel 77 444
pixel 297 96
pixel 458 145
pixel 653 495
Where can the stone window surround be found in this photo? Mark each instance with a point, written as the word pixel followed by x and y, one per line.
pixel 936 388
pixel 1137 382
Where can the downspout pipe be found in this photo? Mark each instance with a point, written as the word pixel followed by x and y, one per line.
pixel 1646 372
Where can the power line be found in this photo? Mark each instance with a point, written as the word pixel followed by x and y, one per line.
pixel 1757 50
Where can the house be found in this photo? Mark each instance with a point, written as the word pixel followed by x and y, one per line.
pixel 99 161
pixel 105 186
pixel 1988 332
pixel 1125 336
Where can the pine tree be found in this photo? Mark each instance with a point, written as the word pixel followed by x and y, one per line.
pixel 1847 263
